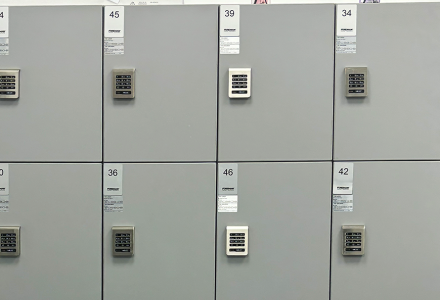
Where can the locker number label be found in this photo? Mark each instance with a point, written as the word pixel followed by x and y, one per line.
pixel 346 16
pixel 112 180
pixel 227 179
pixel 343 178
pixel 113 21
pixel 4 179
pixel 4 22
pixel 230 20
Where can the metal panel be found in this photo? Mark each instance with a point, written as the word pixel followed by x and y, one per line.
pixel 173 114
pixel 289 115
pixel 397 203
pixel 172 207
pixel 399 117
pixel 58 115
pixel 287 209
pixel 58 207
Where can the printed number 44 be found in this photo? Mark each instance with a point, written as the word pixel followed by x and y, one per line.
pixel 343 171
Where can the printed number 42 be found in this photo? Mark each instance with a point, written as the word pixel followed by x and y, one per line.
pixel 343 171
pixel 346 13
pixel 113 14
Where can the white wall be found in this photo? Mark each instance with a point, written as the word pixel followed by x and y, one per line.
pixel 143 2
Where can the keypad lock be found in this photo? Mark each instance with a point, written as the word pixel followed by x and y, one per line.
pixel 9 84
pixel 237 240
pixel 10 241
pixel 356 82
pixel 239 83
pixel 123 240
pixel 123 83
pixel 353 239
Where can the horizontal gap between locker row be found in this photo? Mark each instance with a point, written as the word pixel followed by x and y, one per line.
pixel 220 162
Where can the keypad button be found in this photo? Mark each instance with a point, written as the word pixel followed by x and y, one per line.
pixel 122 250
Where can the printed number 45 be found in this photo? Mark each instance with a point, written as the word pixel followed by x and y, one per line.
pixel 346 13
pixel 343 171
pixel 114 14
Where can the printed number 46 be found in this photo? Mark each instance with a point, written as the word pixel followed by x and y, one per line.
pixel 114 14
pixel 229 13
pixel 228 172
pixel 343 171
pixel 346 13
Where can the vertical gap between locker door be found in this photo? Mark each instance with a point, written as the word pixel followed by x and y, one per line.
pixel 102 153
pixel 216 152
pixel 333 153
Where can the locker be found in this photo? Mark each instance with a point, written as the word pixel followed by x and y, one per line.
pixel 289 113
pixel 171 208
pixel 287 211
pixel 397 204
pixel 58 207
pixel 58 112
pixel 398 119
pixel 173 115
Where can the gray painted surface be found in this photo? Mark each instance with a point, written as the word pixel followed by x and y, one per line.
pixel 399 117
pixel 58 114
pixel 398 204
pixel 287 208
pixel 173 116
pixel 58 207
pixel 172 207
pixel 290 112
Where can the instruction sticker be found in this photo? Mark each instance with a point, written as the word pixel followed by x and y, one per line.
pixel 342 203
pixel 4 188
pixel 227 188
pixel 113 204
pixel 114 30
pixel 346 19
pixel 113 199
pixel 229 29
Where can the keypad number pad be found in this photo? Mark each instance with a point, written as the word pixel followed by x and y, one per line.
pixel 9 84
pixel 239 83
pixel 237 240
pixel 123 240
pixel 123 83
pixel 9 241
pixel 356 82
pixel 353 239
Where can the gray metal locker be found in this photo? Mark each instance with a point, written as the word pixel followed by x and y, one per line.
pixel 398 119
pixel 173 115
pixel 287 209
pixel 57 116
pixel 59 209
pixel 172 209
pixel 289 114
pixel 398 204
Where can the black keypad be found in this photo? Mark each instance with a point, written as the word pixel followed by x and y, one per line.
pixel 237 240
pixel 122 242
pixel 353 241
pixel 123 82
pixel 8 241
pixel 239 82
pixel 356 81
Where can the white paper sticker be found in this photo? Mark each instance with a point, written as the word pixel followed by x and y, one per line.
pixel 4 46
pixel 345 44
pixel 164 2
pixel 342 178
pixel 346 16
pixel 114 46
pixel 4 203
pixel 4 22
pixel 113 204
pixel 4 179
pixel 229 45
pixel 342 203
pixel 114 21
pixel 229 20
pixel 227 203
pixel 112 180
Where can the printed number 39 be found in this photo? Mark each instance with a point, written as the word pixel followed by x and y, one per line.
pixel 229 13
pixel 346 13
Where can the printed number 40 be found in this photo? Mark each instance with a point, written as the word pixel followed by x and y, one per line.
pixel 343 171
pixel 228 172
pixel 229 13
pixel 346 13
pixel 114 14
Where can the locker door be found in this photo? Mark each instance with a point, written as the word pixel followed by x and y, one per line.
pixel 173 115
pixel 398 204
pixel 58 207
pixel 288 116
pixel 57 116
pixel 287 209
pixel 398 119
pixel 172 208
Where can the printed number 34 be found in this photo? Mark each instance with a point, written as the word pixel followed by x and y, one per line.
pixel 346 13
